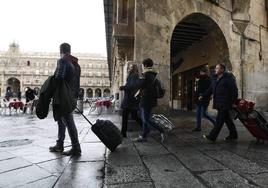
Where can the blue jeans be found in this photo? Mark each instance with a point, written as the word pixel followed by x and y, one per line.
pixel 202 110
pixel 67 121
pixel 146 114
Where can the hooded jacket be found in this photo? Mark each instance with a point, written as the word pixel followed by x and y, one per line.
pixel 69 70
pixel 148 97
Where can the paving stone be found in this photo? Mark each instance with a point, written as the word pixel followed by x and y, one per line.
pixel 83 174
pixel 150 148
pixel 42 157
pixel 92 152
pixel 174 142
pixel 237 163
pixel 258 157
pixel 90 137
pixel 14 163
pixel 197 161
pixel 125 155
pixel 260 179
pixel 132 185
pixel 29 150
pixel 43 183
pixel 55 166
pixel 167 171
pixel 22 176
pixel 6 155
pixel 125 174
pixel 224 178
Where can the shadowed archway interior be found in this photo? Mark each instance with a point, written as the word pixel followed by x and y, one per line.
pixel 196 41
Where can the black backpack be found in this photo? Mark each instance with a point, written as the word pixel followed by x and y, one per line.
pixel 159 90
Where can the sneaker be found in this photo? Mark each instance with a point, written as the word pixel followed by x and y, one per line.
pixel 140 139
pixel 196 130
pixel 57 148
pixel 74 151
pixel 208 139
pixel 230 139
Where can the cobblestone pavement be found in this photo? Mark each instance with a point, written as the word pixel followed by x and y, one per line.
pixel 184 160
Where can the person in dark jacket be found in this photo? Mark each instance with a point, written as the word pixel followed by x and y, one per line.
pixel 225 93
pixel 130 103
pixel 202 105
pixel 67 69
pixel 148 100
pixel 29 95
pixel 8 92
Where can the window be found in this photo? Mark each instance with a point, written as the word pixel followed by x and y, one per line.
pixel 28 63
pixel 122 11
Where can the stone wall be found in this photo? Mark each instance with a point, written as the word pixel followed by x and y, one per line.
pixel 155 21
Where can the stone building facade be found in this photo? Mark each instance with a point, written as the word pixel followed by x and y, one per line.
pixel 183 35
pixel 20 70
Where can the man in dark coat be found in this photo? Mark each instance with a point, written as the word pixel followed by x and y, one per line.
pixel 148 100
pixel 225 93
pixel 67 69
pixel 202 105
pixel 130 103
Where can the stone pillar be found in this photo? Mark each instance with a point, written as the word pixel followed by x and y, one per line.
pixel 93 92
pixel 3 84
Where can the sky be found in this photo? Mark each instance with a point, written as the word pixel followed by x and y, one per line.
pixel 42 25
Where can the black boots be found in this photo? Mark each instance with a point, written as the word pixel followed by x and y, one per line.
pixel 74 151
pixel 57 148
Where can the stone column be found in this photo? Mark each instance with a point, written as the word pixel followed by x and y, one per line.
pixel 3 84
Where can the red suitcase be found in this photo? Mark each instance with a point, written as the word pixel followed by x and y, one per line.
pixel 253 120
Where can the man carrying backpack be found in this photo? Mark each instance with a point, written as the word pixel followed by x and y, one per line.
pixel 148 100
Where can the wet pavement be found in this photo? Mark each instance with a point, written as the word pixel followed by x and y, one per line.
pixel 184 160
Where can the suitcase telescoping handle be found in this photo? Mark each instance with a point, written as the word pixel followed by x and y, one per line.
pixel 84 116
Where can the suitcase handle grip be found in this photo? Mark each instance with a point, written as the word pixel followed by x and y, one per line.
pixel 84 116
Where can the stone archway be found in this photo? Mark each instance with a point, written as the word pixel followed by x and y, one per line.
pixel 14 85
pixel 154 32
pixel 98 92
pixel 89 93
pixel 106 93
pixel 196 41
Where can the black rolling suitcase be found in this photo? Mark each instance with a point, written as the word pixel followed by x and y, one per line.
pixel 106 131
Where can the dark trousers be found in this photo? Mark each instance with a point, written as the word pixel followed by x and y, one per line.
pixel 67 121
pixel 134 116
pixel 223 116
pixel 146 115
pixel 202 110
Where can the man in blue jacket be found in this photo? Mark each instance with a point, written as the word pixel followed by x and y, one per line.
pixel 225 93
pixel 68 69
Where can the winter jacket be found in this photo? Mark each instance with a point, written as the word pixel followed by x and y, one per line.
pixel 148 97
pixel 202 86
pixel 63 100
pixel 224 91
pixel 69 70
pixel 130 89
